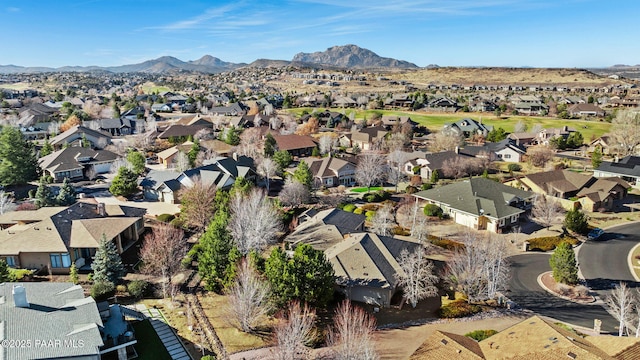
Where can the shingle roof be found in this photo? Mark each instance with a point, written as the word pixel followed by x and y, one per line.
pixel 59 139
pixel 181 130
pixel 323 229
pixel 478 196
pixel 367 259
pixel 57 312
pixel 326 167
pixel 560 180
pixel 67 159
pixel 629 165
pixel 294 142
pixel 445 345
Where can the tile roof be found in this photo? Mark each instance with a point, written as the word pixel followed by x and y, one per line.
pixel 57 312
pixel 478 196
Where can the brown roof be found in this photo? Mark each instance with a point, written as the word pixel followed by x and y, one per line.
pixel 561 180
pixel 294 142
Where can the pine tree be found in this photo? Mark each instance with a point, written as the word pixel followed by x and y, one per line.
pixel 596 157
pixel 73 274
pixel 137 161
pixel 303 174
pixel 124 183
pixel 193 152
pixel 576 221
pixel 44 196
pixel 67 194
pixel 46 148
pixel 564 265
pixel 5 274
pixel 269 145
pixel 18 163
pixel 215 246
pixel 434 177
pixel 107 264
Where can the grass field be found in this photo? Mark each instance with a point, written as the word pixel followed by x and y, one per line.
pixel 364 189
pixel 435 122
pixel 150 88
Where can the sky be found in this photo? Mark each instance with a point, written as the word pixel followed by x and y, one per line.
pixel 537 33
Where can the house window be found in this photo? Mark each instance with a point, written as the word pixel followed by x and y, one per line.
pixel 501 222
pixel 506 156
pixel 514 218
pixel 10 260
pixel 60 260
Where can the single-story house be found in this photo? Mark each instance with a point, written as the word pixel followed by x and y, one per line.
pixel 296 145
pixel 182 131
pixel 628 168
pixel 480 204
pixel 116 127
pixel 367 138
pixel 76 163
pixel 604 143
pixel 366 266
pixel 331 171
pixel 76 134
pixel 425 164
pixel 167 157
pixel 585 110
pixel 505 150
pixel 222 172
pixel 467 127
pixel 55 237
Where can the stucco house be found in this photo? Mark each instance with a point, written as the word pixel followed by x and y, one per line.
pixel 77 163
pixel 55 237
pixel 331 171
pixel 76 134
pixel 366 266
pixel 480 203
pixel 628 168
pixel 367 138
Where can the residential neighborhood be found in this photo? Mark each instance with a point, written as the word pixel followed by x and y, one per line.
pixel 341 205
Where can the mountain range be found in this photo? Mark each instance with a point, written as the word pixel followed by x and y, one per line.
pixel 342 57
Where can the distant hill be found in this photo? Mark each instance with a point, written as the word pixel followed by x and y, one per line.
pixel 351 56
pixel 266 63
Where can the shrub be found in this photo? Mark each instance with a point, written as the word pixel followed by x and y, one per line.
pixel 165 217
pixel 370 215
pixel 432 210
pixel 426 186
pixel 445 243
pixel 514 167
pixel 90 277
pixel 102 290
pixel 358 211
pixel 411 189
pixel 399 230
pixel 19 274
pixel 458 309
pixel 581 290
pixel 138 288
pixel 377 196
pixel 479 335
pixel 550 242
pixel 341 206
pixel 369 207
pixel 349 208
pixel 121 289
pixel 563 289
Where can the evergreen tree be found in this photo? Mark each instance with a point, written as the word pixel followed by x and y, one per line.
pixel 67 194
pixel 46 148
pixel 596 157
pixel 282 158
pixel 303 174
pixel 232 136
pixel 124 183
pixel 137 161
pixel 44 196
pixel 214 249
pixel 73 274
pixel 18 162
pixel 5 274
pixel 434 177
pixel 193 152
pixel 575 140
pixel 576 221
pixel 564 265
pixel 107 264
pixel 269 145
pixel 497 135
pixel 308 276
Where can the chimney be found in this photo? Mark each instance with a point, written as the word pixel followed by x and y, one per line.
pixel 101 210
pixel 20 296
pixel 235 156
pixel 457 150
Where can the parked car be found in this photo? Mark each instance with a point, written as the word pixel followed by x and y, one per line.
pixel 595 234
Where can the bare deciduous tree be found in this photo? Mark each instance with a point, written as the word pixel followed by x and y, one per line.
pixel 520 127
pixel 546 211
pixel 370 169
pixel 620 301
pixel 254 221
pixel 117 164
pixel 181 162
pixel 294 193
pixel 540 155
pixel 249 299
pixel 480 270
pixel 275 123
pixel 198 204
pixel 460 167
pixel 267 168
pixel 383 221
pixel 162 253
pixel 396 160
pixel 416 278
pixel 443 141
pixel 625 131
pixel 251 143
pixel 327 144
pixel 54 128
pixel 351 336
pixel 308 128
pixel 294 332
pixel 6 202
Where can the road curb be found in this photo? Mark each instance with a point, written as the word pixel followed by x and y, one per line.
pixel 545 288
pixel 630 262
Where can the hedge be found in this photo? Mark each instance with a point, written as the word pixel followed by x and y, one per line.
pixel 349 208
pixel 138 288
pixel 549 243
pixel 165 217
pixel 377 196
pixel 458 309
pixel 358 211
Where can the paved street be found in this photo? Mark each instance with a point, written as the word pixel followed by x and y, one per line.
pixel 525 291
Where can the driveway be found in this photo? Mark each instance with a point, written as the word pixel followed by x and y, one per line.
pixel 525 291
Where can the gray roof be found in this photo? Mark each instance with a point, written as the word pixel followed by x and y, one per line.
pixel 114 123
pixel 627 166
pixel 60 139
pixel 322 229
pixel 367 259
pixel 478 196
pixel 70 158
pixel 57 312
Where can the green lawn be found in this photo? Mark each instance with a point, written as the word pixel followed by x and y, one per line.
pixel 150 88
pixel 364 189
pixel 435 122
pixel 149 346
